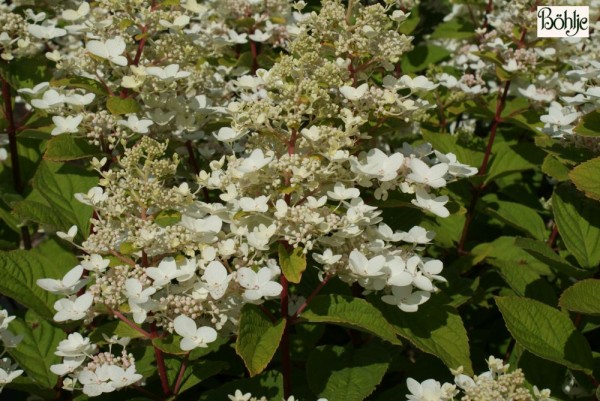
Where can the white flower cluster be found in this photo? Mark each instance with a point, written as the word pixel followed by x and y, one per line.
pixel 496 384
pixel 160 59
pixel 239 396
pixel 92 371
pixel 8 370
pixel 536 67
pixel 160 255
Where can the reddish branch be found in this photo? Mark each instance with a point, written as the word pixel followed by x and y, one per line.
pixel 500 105
pixel 14 153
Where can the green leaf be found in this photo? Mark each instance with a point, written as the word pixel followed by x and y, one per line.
pixel 422 57
pixel 588 126
pixel 516 215
pixel 35 354
pixel 41 213
pixel 292 264
pixel 115 327
pixel 167 218
pixel 66 147
pixel 582 297
pixel 200 371
pixel 344 374
pixel 26 72
pixel 435 328
pixel 546 332
pixel 511 159
pixel 351 312
pixel 268 384
pixel 21 269
pixel 578 223
pixel 169 344
pixel 453 29
pixel 117 105
pixel 58 183
pixel 258 338
pixel 553 167
pixel 542 252
pixel 526 282
pixel 586 178
pixel 90 85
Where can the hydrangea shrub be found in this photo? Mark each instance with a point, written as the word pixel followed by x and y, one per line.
pixel 297 200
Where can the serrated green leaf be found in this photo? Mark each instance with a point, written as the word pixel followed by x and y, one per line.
pixel 542 252
pixel 117 105
pixel 555 169
pixel 516 215
pixel 511 159
pixel 258 338
pixel 201 371
pixel 546 332
pixel 526 282
pixel 578 223
pixel 586 178
pixel 58 183
pixel 435 328
pixel 21 269
pixel 41 213
pixel 292 264
pixel 582 297
pixel 351 312
pixel 35 354
pixel 422 57
pixel 588 126
pixel 66 147
pixel 90 85
pixel 344 374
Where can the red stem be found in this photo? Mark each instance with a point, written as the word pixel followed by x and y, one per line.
pixel 254 50
pixel 179 380
pixel 285 341
pixel 14 152
pixel 131 324
pixel 160 363
pixel 312 295
pixel 476 192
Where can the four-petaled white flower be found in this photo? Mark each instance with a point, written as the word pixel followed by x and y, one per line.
pixel 429 390
pixel 351 93
pixel 216 278
pixel 94 196
pixel 50 98
pixel 136 125
pixel 259 204
pixel 258 284
pixel 8 372
pixel 405 299
pixel 74 15
pixel 135 293
pixel 47 32
pixel 68 124
pixel 376 164
pixel 75 345
pixel 111 50
pixel 68 309
pixel 193 336
pixel 123 377
pixel 254 162
pixel 340 192
pixel 423 174
pixel 69 284
pixel 418 83
pixel 327 257
pixel 95 263
pixel 168 73
pixel 434 204
pixel 163 274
